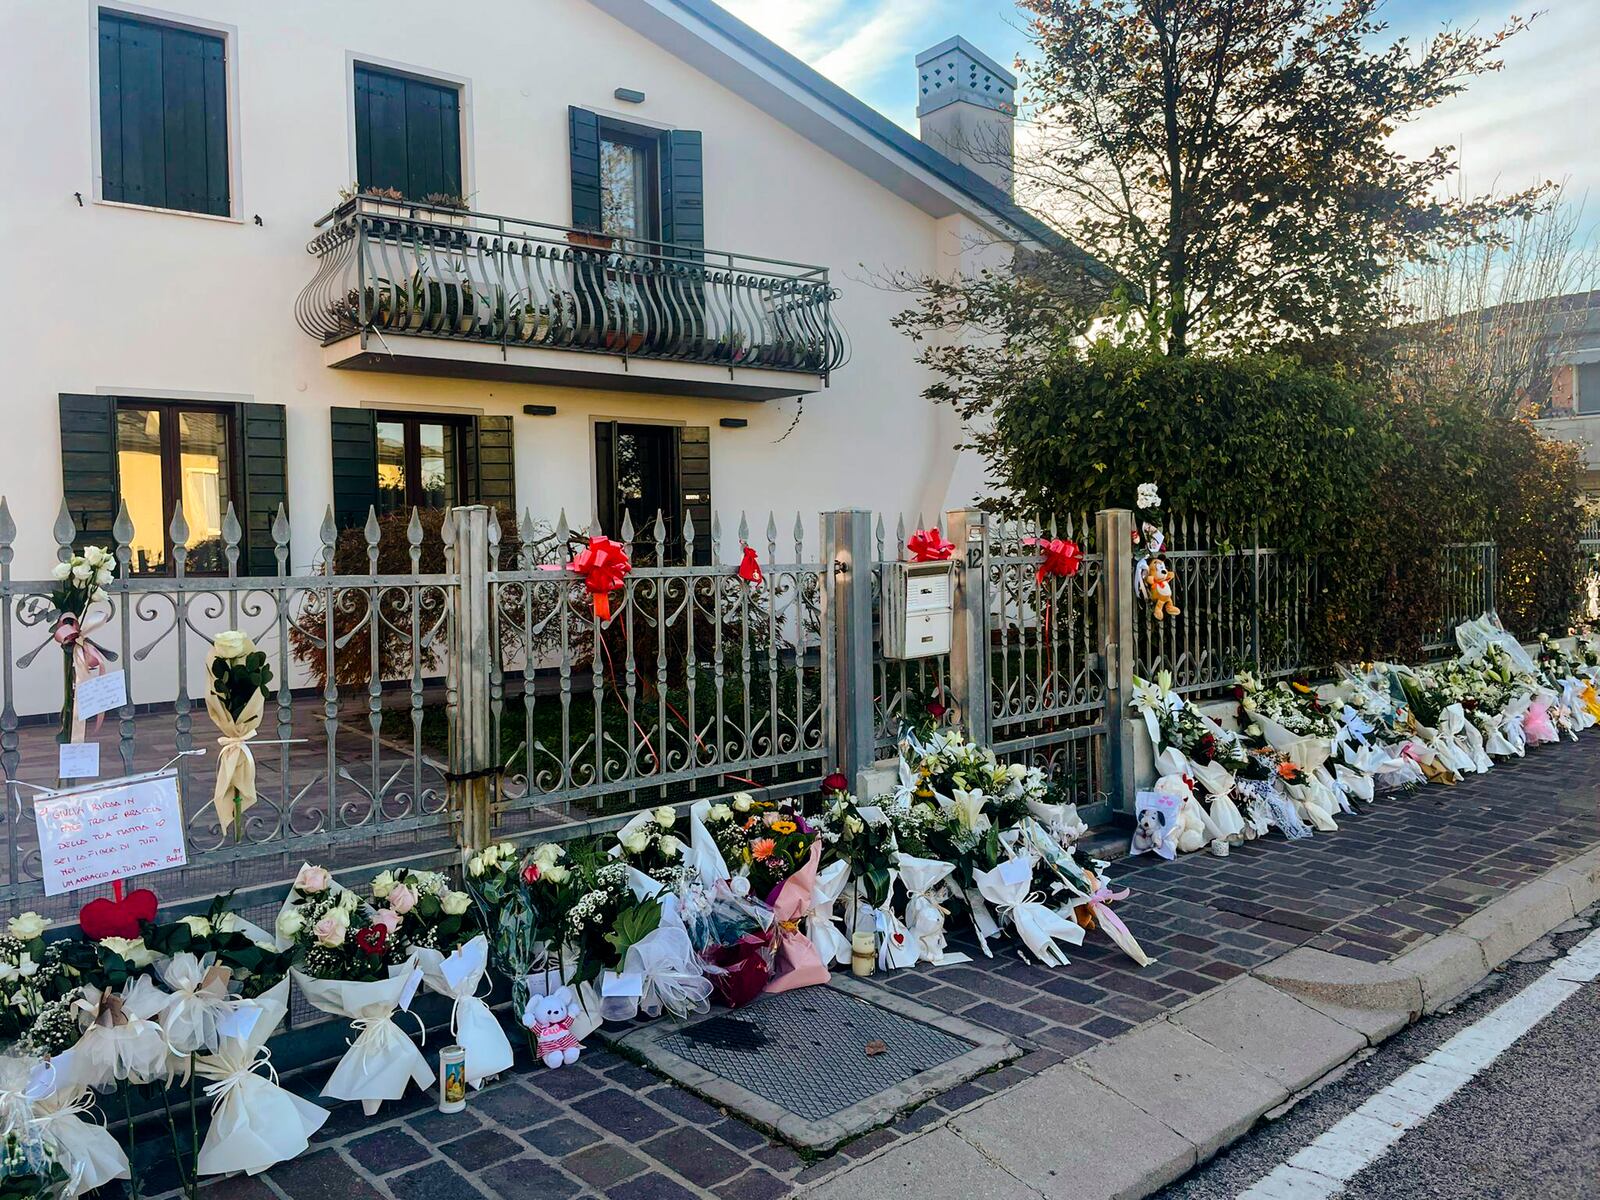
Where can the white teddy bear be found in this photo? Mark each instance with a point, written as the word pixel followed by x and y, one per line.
pixel 1189 825
pixel 550 1017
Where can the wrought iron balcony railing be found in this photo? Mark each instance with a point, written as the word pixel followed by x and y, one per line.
pixel 399 267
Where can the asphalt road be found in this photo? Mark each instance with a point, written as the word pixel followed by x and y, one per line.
pixel 1527 1127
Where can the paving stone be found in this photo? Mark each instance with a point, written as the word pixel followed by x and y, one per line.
pixel 1271 1031
pixel 944 1166
pixel 525 1179
pixel 649 1187
pixel 387 1150
pixel 479 1150
pixel 430 1182
pixel 561 1137
pixel 514 1107
pixel 695 1156
pixel 604 1164
pixel 434 1126
pixel 322 1176
pixel 620 1114
pixel 754 1185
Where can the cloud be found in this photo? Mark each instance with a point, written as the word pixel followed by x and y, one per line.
pixel 853 42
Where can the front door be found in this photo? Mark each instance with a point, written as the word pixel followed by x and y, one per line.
pixel 637 475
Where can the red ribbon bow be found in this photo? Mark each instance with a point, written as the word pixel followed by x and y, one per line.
pixel 750 567
pixel 1061 557
pixel 928 545
pixel 602 563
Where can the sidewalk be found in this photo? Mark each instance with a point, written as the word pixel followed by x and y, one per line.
pixel 1404 871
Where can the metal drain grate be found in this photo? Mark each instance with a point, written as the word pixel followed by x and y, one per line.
pixel 806 1050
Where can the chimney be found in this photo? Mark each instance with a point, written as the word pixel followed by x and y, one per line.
pixel 967 108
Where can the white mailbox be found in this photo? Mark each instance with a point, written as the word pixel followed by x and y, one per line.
pixel 917 609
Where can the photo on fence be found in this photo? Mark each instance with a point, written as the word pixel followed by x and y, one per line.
pixel 1155 824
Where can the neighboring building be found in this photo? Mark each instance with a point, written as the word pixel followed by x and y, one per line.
pixel 601 255
pixel 1573 411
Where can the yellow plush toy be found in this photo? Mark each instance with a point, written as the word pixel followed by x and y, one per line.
pixel 1158 582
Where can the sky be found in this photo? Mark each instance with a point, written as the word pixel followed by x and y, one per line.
pixel 1537 119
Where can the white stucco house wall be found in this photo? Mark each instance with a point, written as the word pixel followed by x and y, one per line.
pixel 165 340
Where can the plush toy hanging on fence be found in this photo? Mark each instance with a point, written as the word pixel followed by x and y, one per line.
pixel 602 563
pixel 928 545
pixel 1158 579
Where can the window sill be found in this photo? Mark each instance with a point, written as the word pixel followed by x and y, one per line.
pixel 170 212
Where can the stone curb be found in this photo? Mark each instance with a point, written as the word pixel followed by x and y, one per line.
pixel 1150 1105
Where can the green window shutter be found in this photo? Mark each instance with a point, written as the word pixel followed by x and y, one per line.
pixel 605 477
pixel 584 151
pixel 682 189
pixel 266 483
pixel 89 465
pixel 163 116
pixel 408 134
pixel 491 463
pixel 694 484
pixel 355 465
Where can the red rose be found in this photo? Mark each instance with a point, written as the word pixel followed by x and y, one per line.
pixel 530 873
pixel 937 710
pixel 372 939
pixel 836 782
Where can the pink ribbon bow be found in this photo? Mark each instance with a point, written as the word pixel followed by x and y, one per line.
pixel 87 662
pixel 928 545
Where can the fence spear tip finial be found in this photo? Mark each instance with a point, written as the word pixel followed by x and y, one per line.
pixel 280 526
pixel 122 527
pixel 64 530
pixel 330 530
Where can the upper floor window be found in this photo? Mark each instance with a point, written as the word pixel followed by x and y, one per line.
pixel 630 190
pixel 167 454
pixel 1587 377
pixel 163 115
pixel 408 134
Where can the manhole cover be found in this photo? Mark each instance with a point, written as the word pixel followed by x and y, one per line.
pixel 819 1064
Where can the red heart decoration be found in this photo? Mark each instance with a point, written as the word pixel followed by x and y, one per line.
pixel 105 918
pixel 899 939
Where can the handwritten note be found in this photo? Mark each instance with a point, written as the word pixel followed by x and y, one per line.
pixel 79 760
pixel 101 693
pixel 99 832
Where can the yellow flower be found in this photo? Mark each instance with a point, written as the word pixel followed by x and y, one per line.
pixel 783 827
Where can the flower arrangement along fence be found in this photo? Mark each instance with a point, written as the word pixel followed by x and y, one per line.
pixel 481 692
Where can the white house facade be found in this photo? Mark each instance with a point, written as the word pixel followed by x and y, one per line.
pixel 600 256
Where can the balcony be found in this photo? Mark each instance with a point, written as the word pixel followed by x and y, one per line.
pixel 1582 428
pixel 418 289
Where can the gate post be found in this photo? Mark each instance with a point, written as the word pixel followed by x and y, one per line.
pixel 1114 533
pixel 472 782
pixel 847 556
pixel 969 626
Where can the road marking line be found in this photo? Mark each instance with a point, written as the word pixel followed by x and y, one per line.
pixel 1350 1145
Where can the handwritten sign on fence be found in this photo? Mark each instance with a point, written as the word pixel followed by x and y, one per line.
pixel 101 832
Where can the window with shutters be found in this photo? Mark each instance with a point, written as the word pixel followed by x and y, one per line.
pixel 408 134
pixel 163 101
pixel 630 188
pixel 171 454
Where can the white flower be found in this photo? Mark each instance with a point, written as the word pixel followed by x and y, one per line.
pixel 475 866
pixel 27 926
pixel 22 970
pixel 383 884
pixel 1149 496
pixel 231 644
pixel 854 824
pixel 61 570
pixel 671 846
pixel 557 873
pixel 547 854
pixel 969 811
pixel 665 816
pixel 506 849
pixel 133 950
pixel 719 812
pixel 229 923
pixel 312 879
pixel 742 802
pixel 95 555
pixel 82 572
pixel 490 856
pixel 348 901
pixel 290 923
pixel 636 841
pixel 455 903
pixel 198 926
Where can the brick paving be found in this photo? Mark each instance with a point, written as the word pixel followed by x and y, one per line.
pixel 1397 873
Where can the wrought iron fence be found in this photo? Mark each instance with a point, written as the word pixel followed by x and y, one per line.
pixel 438 272
pixel 700 681
pixel 1046 663
pixel 334 780
pixel 1468 587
